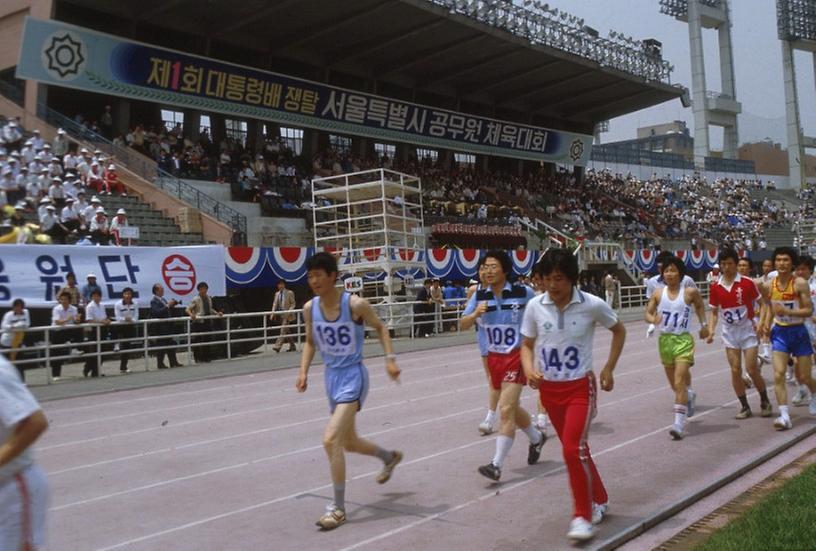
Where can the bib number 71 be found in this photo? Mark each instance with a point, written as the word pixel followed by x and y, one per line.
pixel 551 358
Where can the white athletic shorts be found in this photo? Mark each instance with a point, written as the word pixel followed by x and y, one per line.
pixel 23 505
pixel 739 337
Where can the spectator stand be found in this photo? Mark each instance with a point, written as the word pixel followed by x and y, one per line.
pixel 373 220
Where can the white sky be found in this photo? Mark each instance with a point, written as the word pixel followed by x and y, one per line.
pixel 757 65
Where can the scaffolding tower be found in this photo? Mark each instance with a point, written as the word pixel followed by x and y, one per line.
pixel 710 108
pixel 374 220
pixel 796 26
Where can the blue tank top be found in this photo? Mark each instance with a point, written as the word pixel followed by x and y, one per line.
pixel 501 322
pixel 340 341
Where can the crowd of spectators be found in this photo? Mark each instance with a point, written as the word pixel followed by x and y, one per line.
pixel 605 206
pixel 721 212
pixel 50 192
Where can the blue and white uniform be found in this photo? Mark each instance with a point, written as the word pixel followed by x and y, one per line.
pixel 340 343
pixel 481 337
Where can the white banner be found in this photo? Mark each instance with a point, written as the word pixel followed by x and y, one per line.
pixel 35 272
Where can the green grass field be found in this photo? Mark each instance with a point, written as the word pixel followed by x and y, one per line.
pixel 784 520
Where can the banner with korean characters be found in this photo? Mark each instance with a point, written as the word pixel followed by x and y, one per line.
pixel 34 273
pixel 60 54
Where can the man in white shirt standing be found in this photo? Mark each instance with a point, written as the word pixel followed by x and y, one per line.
pixel 64 315
pixel 95 315
pixel 23 486
pixel 13 322
pixel 656 282
pixel 556 355
pixel 126 312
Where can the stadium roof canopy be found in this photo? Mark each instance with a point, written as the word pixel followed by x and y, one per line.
pixel 414 50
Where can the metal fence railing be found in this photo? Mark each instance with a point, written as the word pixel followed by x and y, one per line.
pixel 218 337
pixel 228 336
pixel 149 170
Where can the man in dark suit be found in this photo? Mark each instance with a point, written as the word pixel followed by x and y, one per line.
pixel 161 308
pixel 423 311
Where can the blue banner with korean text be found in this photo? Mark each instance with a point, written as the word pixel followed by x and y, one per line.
pixel 66 55
pixel 35 273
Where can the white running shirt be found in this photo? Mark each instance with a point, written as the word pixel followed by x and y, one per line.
pixel 563 348
pixel 673 315
pixel 656 282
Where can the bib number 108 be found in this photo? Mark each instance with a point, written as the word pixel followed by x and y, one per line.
pixel 498 336
pixel 551 358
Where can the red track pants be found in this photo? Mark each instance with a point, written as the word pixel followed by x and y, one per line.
pixel 571 406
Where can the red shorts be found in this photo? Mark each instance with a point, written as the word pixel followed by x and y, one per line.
pixel 505 368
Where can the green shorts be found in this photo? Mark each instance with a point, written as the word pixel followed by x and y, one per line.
pixel 676 347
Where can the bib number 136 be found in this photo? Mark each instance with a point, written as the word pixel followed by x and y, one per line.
pixel 552 358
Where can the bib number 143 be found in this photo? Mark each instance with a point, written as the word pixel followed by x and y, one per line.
pixel 552 358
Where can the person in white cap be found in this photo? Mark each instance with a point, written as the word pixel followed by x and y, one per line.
pixel 68 216
pixel 7 185
pixel 42 210
pixel 59 147
pixel 119 221
pixel 55 168
pixel 70 160
pixel 27 152
pixel 86 290
pixel 94 178
pixel 99 227
pixel 112 183
pixel 90 211
pixel 23 486
pixel 56 192
pixel 51 225
pixel 38 141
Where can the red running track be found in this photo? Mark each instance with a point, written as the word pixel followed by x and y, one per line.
pixel 237 463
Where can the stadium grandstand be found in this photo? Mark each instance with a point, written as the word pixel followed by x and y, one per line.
pixel 168 168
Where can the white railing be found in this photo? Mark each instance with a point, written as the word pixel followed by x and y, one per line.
pixel 233 335
pixel 217 337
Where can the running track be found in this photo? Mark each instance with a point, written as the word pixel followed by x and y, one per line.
pixel 237 463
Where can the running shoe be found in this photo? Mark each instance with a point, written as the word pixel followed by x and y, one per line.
pixel 781 423
pixel 599 511
pixel 534 451
pixel 491 471
pixel 744 413
pixel 746 380
pixel 580 530
pixel 332 518
pixel 676 432
pixel 765 410
pixel 801 397
pixel 485 428
pixel 388 468
pixel 692 402
pixel 812 408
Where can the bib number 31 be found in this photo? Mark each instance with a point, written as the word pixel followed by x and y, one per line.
pixel 552 358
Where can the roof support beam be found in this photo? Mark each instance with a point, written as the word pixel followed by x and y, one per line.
pixel 510 77
pixel 544 88
pixel 361 49
pixel 450 75
pixel 252 16
pixel 429 54
pixel 329 27
pixel 565 100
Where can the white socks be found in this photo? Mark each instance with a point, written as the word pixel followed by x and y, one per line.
pixel 490 418
pixel 532 433
pixel 503 445
pixel 784 413
pixel 680 415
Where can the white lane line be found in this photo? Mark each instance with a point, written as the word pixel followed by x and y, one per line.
pixel 253 462
pixel 372 473
pixel 274 393
pixel 298 451
pixel 258 410
pixel 261 431
pixel 268 377
pixel 242 412
pixel 504 490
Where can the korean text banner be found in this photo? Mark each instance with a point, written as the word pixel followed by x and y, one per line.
pixel 66 55
pixel 35 272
